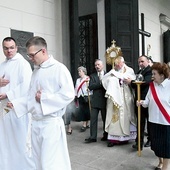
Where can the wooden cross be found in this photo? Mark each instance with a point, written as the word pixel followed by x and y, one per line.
pixel 143 33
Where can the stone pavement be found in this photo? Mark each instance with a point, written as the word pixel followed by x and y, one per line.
pixel 97 156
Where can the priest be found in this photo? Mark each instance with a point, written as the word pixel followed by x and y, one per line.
pixel 120 119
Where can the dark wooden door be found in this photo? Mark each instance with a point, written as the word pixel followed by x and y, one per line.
pixel 166 46
pixel 83 40
pixel 122 26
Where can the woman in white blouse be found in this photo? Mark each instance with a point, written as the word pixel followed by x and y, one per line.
pixel 81 91
pixel 158 102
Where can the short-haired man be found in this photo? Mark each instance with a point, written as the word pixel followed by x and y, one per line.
pixel 51 90
pixel 146 72
pixel 98 102
pixel 15 76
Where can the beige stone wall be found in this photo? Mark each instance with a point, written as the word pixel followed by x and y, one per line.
pixel 46 18
pixel 50 19
pixel 152 9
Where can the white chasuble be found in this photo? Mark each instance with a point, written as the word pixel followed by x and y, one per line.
pixel 120 104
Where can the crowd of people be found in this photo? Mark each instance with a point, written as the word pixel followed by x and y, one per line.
pixel 115 93
pixel 38 104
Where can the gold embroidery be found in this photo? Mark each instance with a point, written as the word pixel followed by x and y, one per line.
pixel 7 110
pixel 115 116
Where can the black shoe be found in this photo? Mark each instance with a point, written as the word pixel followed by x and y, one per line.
pixel 83 129
pixel 69 132
pixel 104 138
pixel 135 146
pixel 110 144
pixel 158 168
pixel 87 127
pixel 147 144
pixel 89 140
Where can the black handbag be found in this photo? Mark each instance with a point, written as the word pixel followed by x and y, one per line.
pixel 85 98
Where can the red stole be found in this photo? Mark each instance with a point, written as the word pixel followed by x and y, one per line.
pixel 159 104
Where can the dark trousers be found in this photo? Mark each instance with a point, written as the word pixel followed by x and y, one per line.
pixel 94 122
pixel 144 118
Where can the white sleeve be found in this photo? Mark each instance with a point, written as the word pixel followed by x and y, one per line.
pixel 147 99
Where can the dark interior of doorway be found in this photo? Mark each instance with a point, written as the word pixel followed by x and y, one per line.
pixel 83 40
pixel 88 41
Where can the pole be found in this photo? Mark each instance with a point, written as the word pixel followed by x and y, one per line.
pixel 139 117
pixel 138 83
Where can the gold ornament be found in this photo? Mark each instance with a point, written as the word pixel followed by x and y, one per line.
pixel 112 53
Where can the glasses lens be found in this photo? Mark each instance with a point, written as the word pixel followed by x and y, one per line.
pixel 32 55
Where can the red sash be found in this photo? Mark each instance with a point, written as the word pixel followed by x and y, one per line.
pixel 162 109
pixel 81 85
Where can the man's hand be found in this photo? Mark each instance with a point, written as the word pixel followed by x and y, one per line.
pixel 3 96
pixel 10 105
pixel 3 82
pixel 127 80
pixel 38 96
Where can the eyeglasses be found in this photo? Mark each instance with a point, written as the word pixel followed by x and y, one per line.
pixel 33 55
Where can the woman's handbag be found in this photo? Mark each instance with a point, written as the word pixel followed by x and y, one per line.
pixel 86 99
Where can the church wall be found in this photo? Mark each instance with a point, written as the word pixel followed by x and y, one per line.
pixel 43 18
pixel 50 19
pixel 152 9
pixel 101 30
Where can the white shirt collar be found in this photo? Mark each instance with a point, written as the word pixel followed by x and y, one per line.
pixel 165 82
pixel 102 73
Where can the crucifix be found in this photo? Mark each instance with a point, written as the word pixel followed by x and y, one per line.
pixel 143 33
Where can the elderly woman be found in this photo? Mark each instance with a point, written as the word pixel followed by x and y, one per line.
pixel 81 92
pixel 158 102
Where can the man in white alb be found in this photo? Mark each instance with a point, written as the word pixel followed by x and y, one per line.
pixel 51 90
pixel 120 119
pixel 15 76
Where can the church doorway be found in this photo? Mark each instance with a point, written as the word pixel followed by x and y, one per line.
pixel 121 25
pixel 83 36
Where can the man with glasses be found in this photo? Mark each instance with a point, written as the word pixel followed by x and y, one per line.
pixel 15 76
pixel 51 90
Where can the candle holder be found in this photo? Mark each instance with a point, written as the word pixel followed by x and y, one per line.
pixel 138 82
